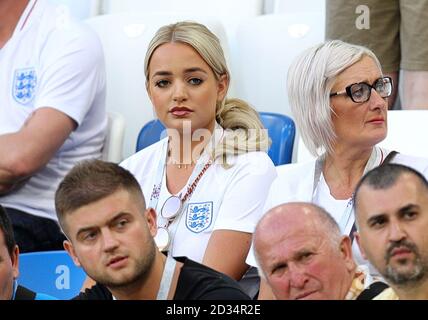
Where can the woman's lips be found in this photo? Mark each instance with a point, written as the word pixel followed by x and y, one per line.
pixel 180 111
pixel 377 121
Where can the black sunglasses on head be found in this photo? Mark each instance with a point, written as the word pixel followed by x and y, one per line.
pixel 361 92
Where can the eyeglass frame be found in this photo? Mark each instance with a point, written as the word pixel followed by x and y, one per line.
pixel 348 92
pixel 189 192
pixel 169 221
pixel 177 212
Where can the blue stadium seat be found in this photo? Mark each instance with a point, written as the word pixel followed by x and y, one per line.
pixel 280 127
pixel 50 272
pixel 152 132
pixel 282 130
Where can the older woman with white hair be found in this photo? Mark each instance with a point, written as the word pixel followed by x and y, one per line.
pixel 338 96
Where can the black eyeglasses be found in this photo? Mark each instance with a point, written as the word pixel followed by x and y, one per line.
pixel 361 92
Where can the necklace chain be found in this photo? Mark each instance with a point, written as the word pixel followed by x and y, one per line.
pixel 192 187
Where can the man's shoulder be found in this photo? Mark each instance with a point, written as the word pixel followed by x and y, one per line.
pixel 57 31
pixel 74 36
pixel 199 282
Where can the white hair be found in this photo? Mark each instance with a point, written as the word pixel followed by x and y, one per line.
pixel 310 80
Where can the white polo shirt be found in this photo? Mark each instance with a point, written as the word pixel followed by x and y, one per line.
pixel 51 61
pixel 227 199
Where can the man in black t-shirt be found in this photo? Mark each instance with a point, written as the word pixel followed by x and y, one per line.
pixel 101 209
pixel 195 282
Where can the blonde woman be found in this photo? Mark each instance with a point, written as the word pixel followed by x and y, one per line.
pixel 209 178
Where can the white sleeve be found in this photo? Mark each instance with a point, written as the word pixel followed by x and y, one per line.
pixel 246 193
pixel 72 71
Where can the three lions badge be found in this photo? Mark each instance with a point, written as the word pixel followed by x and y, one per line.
pixel 24 85
pixel 199 216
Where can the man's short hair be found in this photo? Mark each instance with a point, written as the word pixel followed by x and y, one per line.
pixel 90 181
pixel 7 230
pixel 385 176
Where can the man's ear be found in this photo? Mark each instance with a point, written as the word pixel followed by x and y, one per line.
pixel 15 262
pixel 151 217
pixel 68 246
pixel 346 252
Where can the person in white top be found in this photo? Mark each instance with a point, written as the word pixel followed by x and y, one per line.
pixel 338 96
pixel 52 112
pixel 210 177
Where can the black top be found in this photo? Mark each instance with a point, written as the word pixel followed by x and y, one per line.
pixel 23 293
pixel 372 291
pixel 195 282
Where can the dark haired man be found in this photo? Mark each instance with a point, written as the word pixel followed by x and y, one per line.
pixel 101 209
pixel 391 206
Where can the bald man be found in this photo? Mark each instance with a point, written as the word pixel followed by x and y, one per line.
pixel 303 256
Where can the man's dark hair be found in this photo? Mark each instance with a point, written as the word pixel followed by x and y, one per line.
pixel 90 181
pixel 385 176
pixel 7 230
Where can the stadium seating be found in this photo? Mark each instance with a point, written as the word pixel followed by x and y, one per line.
pixel 280 127
pixel 51 272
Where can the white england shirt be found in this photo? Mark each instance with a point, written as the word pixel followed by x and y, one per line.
pixel 227 199
pixel 51 61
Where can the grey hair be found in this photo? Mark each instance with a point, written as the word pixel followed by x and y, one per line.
pixel 232 114
pixel 311 77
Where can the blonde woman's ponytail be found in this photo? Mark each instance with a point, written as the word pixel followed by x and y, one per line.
pixel 244 130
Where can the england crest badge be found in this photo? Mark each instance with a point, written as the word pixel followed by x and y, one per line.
pixel 24 85
pixel 199 216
